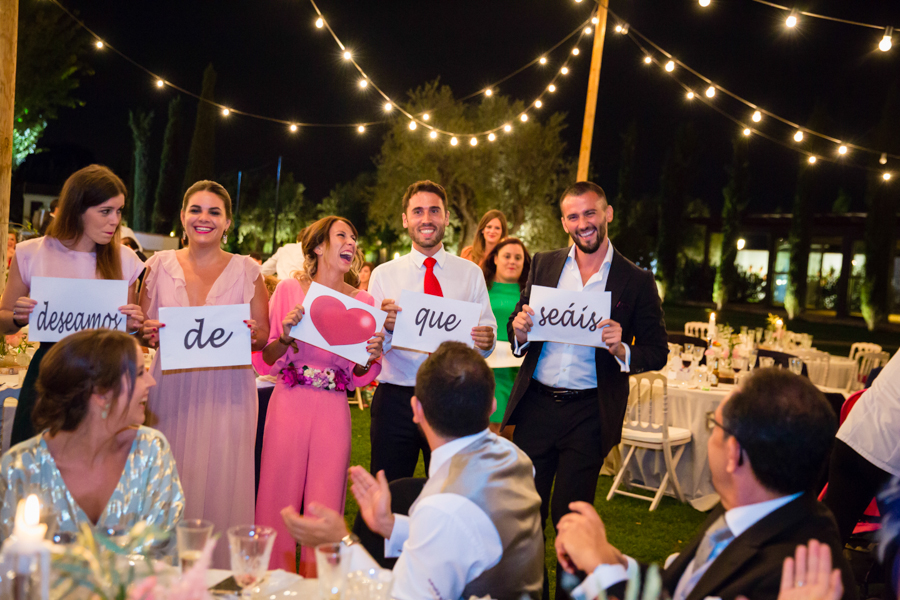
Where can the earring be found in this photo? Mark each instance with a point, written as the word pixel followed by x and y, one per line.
pixel 105 412
pixel 184 237
pixel 225 238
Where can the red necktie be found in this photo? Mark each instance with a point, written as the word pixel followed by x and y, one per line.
pixel 432 285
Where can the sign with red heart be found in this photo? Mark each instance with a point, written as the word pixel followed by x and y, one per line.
pixel 338 323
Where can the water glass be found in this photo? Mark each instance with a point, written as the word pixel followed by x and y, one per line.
pixel 192 535
pixel 697 352
pixel 688 348
pixel 796 366
pixel 251 548
pixel 766 361
pixel 330 570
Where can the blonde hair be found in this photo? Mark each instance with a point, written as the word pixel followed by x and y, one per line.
pixel 314 236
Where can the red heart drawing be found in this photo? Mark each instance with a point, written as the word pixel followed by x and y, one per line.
pixel 338 325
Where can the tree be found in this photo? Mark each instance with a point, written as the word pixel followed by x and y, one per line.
pixel 736 198
pixel 633 229
pixel 799 241
pixel 166 201
pixel 881 234
pixel 675 182
pixel 201 159
pixel 522 173
pixel 140 123
pixel 49 65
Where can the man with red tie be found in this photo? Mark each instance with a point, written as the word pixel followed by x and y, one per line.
pixel 429 268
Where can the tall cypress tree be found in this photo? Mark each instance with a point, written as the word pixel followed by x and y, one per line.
pixel 620 229
pixel 673 200
pixel 141 123
pixel 201 160
pixel 168 184
pixel 736 198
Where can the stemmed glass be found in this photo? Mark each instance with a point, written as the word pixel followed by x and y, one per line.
pixel 697 353
pixel 738 363
pixel 251 548
pixel 796 366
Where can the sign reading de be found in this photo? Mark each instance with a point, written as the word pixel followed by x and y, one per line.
pixel 568 317
pixel 338 323
pixel 198 337
pixel 426 321
pixel 65 306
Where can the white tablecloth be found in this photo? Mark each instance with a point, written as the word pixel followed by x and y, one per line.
pixel 840 370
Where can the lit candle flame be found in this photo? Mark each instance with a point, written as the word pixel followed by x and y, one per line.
pixel 32 514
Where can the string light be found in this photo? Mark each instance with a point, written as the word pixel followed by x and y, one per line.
pixel 320 23
pixel 798 137
pixel 489 92
pixel 507 128
pixel 746 131
pixel 361 129
pixel 491 137
pixel 704 3
pixel 347 55
pixel 160 83
pixel 433 135
pixel 886 176
pixel 426 116
pixel 791 21
pixel 647 60
pixel 543 60
pixel 412 125
pixel 293 128
pixel 595 21
pixel 882 160
pixel 842 150
pixel 524 117
pixel 812 160
pixel 473 141
pixel 363 83
pixel 551 88
pixel 453 141
pixel 564 70
pixel 886 42
pixel 670 66
pixel 622 28
pixel 690 95
pixel 538 104
pixel 587 31
pixel 576 51
pixel 99 44
pixel 226 112
pixel 388 107
pixel 757 116
pixel 710 91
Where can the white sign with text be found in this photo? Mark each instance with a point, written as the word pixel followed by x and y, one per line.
pixel 568 317
pixel 338 323
pixel 65 306
pixel 427 321
pixel 197 337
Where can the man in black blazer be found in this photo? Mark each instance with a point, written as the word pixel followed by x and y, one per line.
pixel 568 402
pixel 771 441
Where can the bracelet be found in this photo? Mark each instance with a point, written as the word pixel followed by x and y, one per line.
pixel 16 323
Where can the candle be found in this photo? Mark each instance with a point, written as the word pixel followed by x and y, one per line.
pixel 711 334
pixel 28 552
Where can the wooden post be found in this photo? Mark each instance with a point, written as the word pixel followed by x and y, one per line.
pixel 9 30
pixel 590 108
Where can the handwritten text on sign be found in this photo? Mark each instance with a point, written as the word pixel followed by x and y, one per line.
pixel 197 337
pixel 338 323
pixel 427 321
pixel 65 306
pixel 568 317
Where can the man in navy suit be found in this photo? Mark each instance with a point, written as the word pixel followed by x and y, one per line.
pixel 568 402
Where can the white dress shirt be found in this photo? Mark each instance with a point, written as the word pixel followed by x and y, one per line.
pixel 872 428
pixel 738 519
pixel 285 261
pixel 445 542
pixel 460 279
pixel 570 366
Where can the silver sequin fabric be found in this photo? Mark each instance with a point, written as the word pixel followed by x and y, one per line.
pixel 149 489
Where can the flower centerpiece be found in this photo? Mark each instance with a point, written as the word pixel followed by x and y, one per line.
pixel 12 350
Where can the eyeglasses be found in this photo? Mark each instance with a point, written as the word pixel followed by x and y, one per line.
pixel 711 424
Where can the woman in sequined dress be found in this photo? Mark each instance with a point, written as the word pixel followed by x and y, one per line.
pixel 94 463
pixel 306 445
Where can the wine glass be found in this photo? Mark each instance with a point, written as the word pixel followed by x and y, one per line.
pixel 697 352
pixel 796 366
pixel 251 548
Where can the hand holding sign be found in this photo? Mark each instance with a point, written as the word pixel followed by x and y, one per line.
pixel 570 317
pixel 427 321
pixel 204 336
pixel 64 306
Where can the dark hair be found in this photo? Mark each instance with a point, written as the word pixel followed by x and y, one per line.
pixel 212 187
pixel 128 241
pixel 424 186
pixel 478 244
pixel 371 266
pixel 53 204
pixel 255 256
pixel 84 189
pixel 581 188
pixel 93 360
pixel 456 389
pixel 320 233
pixel 786 427
pixel 489 264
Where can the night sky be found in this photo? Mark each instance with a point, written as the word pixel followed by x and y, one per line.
pixel 272 60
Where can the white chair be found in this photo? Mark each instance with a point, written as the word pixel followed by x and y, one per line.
pixel 863 347
pixel 865 362
pixel 696 329
pixel 358 400
pixel 647 426
pixel 818 362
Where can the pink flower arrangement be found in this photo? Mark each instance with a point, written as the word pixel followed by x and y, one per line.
pixel 326 379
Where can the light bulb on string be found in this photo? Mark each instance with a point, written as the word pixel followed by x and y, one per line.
pixel 538 104
pixel 576 51
pixel 886 176
pixel 551 88
pixel 347 55
pixel 507 128
pixel 883 159
pixel 361 129
pixel 647 60
pixel 433 135
pixel 670 66
pixel 710 91
pixel 704 3
pixel 587 31
pixel 412 126
pixel 564 70
pixel 618 29
pixel 812 160
pixel 363 83
pixel 747 131
pixel 622 28
pixel 99 44
pixel 160 83
pixel 798 137
pixel 388 107
pixel 690 95
pixel 842 150
pixel 595 21
pixel 791 21
pixel 489 92
pixel 226 112
pixel 524 117
pixel 320 23
pixel 886 42
pixel 491 137
pixel 426 116
pixel 757 116
pixel 543 60
pixel 453 141
pixel 473 142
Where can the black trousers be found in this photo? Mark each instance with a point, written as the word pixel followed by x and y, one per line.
pixel 403 493
pixel 562 439
pixel 852 483
pixel 396 440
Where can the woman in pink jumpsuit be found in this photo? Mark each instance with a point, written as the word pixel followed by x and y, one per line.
pixel 306 445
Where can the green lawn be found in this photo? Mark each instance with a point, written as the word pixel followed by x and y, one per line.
pixel 648 537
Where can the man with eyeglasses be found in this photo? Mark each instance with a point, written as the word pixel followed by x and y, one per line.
pixel 768 447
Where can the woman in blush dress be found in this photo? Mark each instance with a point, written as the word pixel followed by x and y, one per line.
pixel 82 243
pixel 208 415
pixel 491 229
pixel 94 463
pixel 306 447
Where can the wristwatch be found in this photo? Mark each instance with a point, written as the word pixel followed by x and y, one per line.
pixel 349 540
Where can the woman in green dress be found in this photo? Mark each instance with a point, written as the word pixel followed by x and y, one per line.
pixel 505 273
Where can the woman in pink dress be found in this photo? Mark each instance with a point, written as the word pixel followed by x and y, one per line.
pixel 306 445
pixel 208 415
pixel 82 243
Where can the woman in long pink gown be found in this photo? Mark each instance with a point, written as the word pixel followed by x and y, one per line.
pixel 306 445
pixel 208 415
